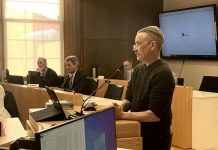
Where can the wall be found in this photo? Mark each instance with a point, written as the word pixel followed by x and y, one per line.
pixel 101 32
pixel 109 30
pixel 73 30
pixel 191 70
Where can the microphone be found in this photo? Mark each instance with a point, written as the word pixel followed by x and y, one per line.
pixel 107 81
pixel 65 80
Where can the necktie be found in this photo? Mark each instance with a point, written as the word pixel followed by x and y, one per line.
pixel 71 82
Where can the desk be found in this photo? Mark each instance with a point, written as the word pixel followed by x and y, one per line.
pixel 13 130
pixel 27 97
pixel 204 120
pixel 187 107
pixel 195 119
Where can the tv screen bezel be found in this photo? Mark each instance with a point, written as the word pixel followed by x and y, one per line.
pixel 194 57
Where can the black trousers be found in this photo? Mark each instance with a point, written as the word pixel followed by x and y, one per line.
pixel 157 141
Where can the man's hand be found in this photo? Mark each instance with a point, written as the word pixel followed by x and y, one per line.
pixel 118 111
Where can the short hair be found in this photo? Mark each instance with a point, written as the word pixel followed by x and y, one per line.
pixel 127 59
pixel 42 58
pixel 72 59
pixel 155 34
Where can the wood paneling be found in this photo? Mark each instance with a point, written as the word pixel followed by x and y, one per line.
pixel 102 32
pixel 73 29
pixel 110 28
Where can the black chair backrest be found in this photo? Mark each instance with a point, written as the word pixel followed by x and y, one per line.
pixel 91 86
pixel 180 81
pixel 15 79
pixel 7 72
pixel 209 84
pixel 10 104
pixel 59 81
pixel 114 91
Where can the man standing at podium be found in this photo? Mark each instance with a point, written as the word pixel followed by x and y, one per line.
pixel 149 92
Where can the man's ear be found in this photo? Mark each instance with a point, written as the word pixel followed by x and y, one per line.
pixel 153 45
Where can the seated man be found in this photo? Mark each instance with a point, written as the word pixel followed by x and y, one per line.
pixel 74 80
pixel 48 77
pixel 126 72
pixel 128 69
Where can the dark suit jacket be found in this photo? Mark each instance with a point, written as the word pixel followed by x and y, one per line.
pixel 79 83
pixel 49 79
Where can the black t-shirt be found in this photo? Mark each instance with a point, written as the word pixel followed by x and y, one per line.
pixel 151 88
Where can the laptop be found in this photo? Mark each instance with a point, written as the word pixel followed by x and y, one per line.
pixel 33 77
pixel 52 113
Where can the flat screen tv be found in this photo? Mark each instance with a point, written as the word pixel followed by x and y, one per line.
pixel 189 33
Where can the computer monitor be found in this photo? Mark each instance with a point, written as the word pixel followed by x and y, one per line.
pixel 95 131
pixel 15 79
pixel 33 77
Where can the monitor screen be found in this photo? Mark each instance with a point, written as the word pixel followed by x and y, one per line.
pixel 95 131
pixel 15 79
pixel 189 33
pixel 33 77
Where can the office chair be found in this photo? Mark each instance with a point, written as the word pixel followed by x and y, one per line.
pixel 59 81
pixel 114 91
pixel 15 79
pixel 7 74
pixel 209 84
pixel 91 86
pixel 10 104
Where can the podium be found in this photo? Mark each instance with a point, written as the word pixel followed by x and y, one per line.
pixel 127 132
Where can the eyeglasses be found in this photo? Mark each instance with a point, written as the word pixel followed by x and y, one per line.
pixel 137 45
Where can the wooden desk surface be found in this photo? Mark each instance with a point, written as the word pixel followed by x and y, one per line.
pixel 13 130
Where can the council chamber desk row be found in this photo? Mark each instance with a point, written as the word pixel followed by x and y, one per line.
pixel 195 113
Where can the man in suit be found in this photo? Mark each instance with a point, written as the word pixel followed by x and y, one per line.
pixel 128 69
pixel 74 80
pixel 48 76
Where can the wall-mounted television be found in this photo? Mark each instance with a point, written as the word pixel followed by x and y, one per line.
pixel 190 32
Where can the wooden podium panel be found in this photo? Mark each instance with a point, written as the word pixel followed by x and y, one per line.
pixel 134 143
pixel 182 117
pixel 127 128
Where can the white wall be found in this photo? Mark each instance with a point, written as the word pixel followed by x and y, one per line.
pixel 191 70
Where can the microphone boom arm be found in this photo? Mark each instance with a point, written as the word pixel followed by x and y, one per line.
pixel 107 81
